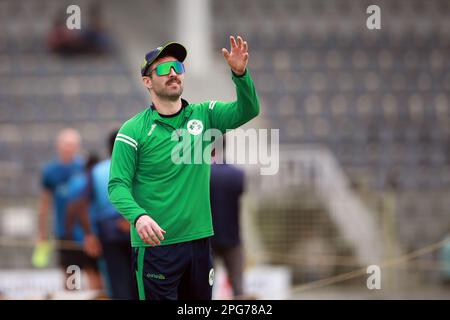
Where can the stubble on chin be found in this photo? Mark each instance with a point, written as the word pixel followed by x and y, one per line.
pixel 171 95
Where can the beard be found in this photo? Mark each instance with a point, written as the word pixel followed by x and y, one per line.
pixel 167 93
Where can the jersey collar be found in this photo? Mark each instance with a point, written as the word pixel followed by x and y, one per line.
pixel 186 108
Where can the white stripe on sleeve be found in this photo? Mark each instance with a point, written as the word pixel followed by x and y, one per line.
pixel 212 104
pixel 127 142
pixel 120 135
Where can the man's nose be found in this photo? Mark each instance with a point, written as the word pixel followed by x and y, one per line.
pixel 172 72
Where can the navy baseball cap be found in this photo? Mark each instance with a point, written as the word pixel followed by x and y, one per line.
pixel 172 49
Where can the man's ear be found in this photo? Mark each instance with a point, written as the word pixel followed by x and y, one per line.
pixel 147 82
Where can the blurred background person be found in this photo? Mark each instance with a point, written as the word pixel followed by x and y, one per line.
pixel 113 231
pixel 91 245
pixel 91 39
pixel 61 40
pixel 95 35
pixel 58 190
pixel 227 187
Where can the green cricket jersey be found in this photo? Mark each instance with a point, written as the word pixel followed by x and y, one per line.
pixel 154 169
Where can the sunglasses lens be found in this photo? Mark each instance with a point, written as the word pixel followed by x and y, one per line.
pixel 163 69
pixel 178 67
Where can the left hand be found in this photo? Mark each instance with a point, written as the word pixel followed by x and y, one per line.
pixel 238 57
pixel 92 246
pixel 123 225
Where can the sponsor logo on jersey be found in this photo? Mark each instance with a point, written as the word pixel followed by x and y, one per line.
pixel 156 276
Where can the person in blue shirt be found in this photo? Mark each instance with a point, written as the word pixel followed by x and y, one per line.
pixel 112 230
pixel 226 188
pixel 57 191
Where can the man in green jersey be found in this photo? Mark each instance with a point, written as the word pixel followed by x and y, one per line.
pixel 167 201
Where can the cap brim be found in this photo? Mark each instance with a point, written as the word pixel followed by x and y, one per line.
pixel 173 49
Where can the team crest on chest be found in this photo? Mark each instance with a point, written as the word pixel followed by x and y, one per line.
pixel 195 127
